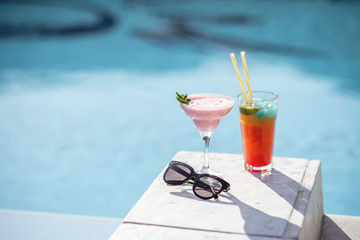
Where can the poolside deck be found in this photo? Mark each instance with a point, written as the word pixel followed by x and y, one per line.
pixel 25 225
pixel 286 205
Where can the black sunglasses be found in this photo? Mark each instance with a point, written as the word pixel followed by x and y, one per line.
pixel 205 186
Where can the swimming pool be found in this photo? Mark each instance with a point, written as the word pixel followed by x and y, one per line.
pixel 88 110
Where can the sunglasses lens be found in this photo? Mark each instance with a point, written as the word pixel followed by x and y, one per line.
pixel 206 187
pixel 177 174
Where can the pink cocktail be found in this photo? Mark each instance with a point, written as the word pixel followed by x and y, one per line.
pixel 206 109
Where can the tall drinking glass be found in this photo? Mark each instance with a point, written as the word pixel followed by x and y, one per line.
pixel 206 109
pixel 258 128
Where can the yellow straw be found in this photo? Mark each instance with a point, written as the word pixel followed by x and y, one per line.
pixel 232 56
pixel 246 75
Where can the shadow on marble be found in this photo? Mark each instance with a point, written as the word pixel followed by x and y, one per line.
pixel 251 215
pixel 331 230
pixel 284 186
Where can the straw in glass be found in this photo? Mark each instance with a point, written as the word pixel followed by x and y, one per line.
pixel 243 58
pixel 236 67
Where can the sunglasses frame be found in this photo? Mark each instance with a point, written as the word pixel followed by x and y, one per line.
pixel 225 186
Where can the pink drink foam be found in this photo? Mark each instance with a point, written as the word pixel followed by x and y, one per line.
pixel 206 110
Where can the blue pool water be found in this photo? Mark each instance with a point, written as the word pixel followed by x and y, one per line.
pixel 87 93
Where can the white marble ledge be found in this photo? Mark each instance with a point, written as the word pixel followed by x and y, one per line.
pixel 287 204
pixel 335 227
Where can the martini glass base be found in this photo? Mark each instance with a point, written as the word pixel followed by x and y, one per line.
pixel 208 171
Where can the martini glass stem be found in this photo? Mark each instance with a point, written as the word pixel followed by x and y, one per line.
pixel 206 142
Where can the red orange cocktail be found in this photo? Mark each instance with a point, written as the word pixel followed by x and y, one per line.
pixel 258 128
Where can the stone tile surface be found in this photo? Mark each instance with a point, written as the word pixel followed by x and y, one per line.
pixel 340 227
pixel 69 228
pixel 257 206
pixel 26 225
pixel 3 214
pixel 18 226
pixel 106 229
pixel 141 232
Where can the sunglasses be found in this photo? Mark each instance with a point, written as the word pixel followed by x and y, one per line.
pixel 205 186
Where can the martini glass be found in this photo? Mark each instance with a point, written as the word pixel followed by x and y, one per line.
pixel 206 109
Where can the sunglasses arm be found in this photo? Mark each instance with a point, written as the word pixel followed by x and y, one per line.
pixel 213 192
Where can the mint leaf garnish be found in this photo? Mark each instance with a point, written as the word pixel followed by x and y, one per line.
pixel 182 98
